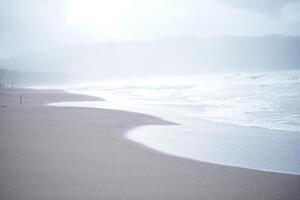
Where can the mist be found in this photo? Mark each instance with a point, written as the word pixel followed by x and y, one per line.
pixel 87 40
pixel 149 99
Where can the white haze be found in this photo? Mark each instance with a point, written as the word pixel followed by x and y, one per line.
pixel 63 41
pixel 34 25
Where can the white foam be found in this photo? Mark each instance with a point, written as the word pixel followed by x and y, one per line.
pixel 266 99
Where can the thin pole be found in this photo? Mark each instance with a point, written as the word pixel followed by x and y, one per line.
pixel 21 100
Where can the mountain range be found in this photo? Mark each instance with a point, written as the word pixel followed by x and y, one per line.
pixel 186 55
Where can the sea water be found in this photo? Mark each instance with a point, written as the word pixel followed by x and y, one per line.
pixel 249 120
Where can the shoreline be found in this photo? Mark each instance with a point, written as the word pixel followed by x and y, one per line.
pixel 75 153
pixel 284 159
pixel 151 149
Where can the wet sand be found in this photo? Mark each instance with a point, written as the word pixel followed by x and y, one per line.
pixel 80 153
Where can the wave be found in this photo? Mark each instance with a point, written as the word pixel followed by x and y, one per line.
pixel 261 99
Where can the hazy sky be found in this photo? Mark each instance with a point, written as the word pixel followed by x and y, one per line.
pixel 28 25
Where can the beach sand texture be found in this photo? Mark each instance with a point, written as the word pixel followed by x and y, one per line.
pixel 65 153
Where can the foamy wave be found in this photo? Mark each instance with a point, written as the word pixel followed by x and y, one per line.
pixel 266 99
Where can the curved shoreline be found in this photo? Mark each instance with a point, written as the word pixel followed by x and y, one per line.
pixel 281 152
pixel 157 150
pixel 75 153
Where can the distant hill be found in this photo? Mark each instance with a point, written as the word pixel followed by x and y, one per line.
pixel 167 56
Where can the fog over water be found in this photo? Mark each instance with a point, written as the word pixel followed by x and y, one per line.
pixel 261 99
pixel 237 59
pixel 221 66
pixel 93 39
pixel 248 120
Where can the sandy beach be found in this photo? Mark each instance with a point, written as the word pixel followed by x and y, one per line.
pixel 63 153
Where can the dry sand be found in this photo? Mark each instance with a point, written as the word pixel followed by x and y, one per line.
pixel 57 153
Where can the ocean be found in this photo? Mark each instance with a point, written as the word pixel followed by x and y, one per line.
pixel 249 120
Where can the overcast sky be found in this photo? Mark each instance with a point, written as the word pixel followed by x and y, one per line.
pixel 30 25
